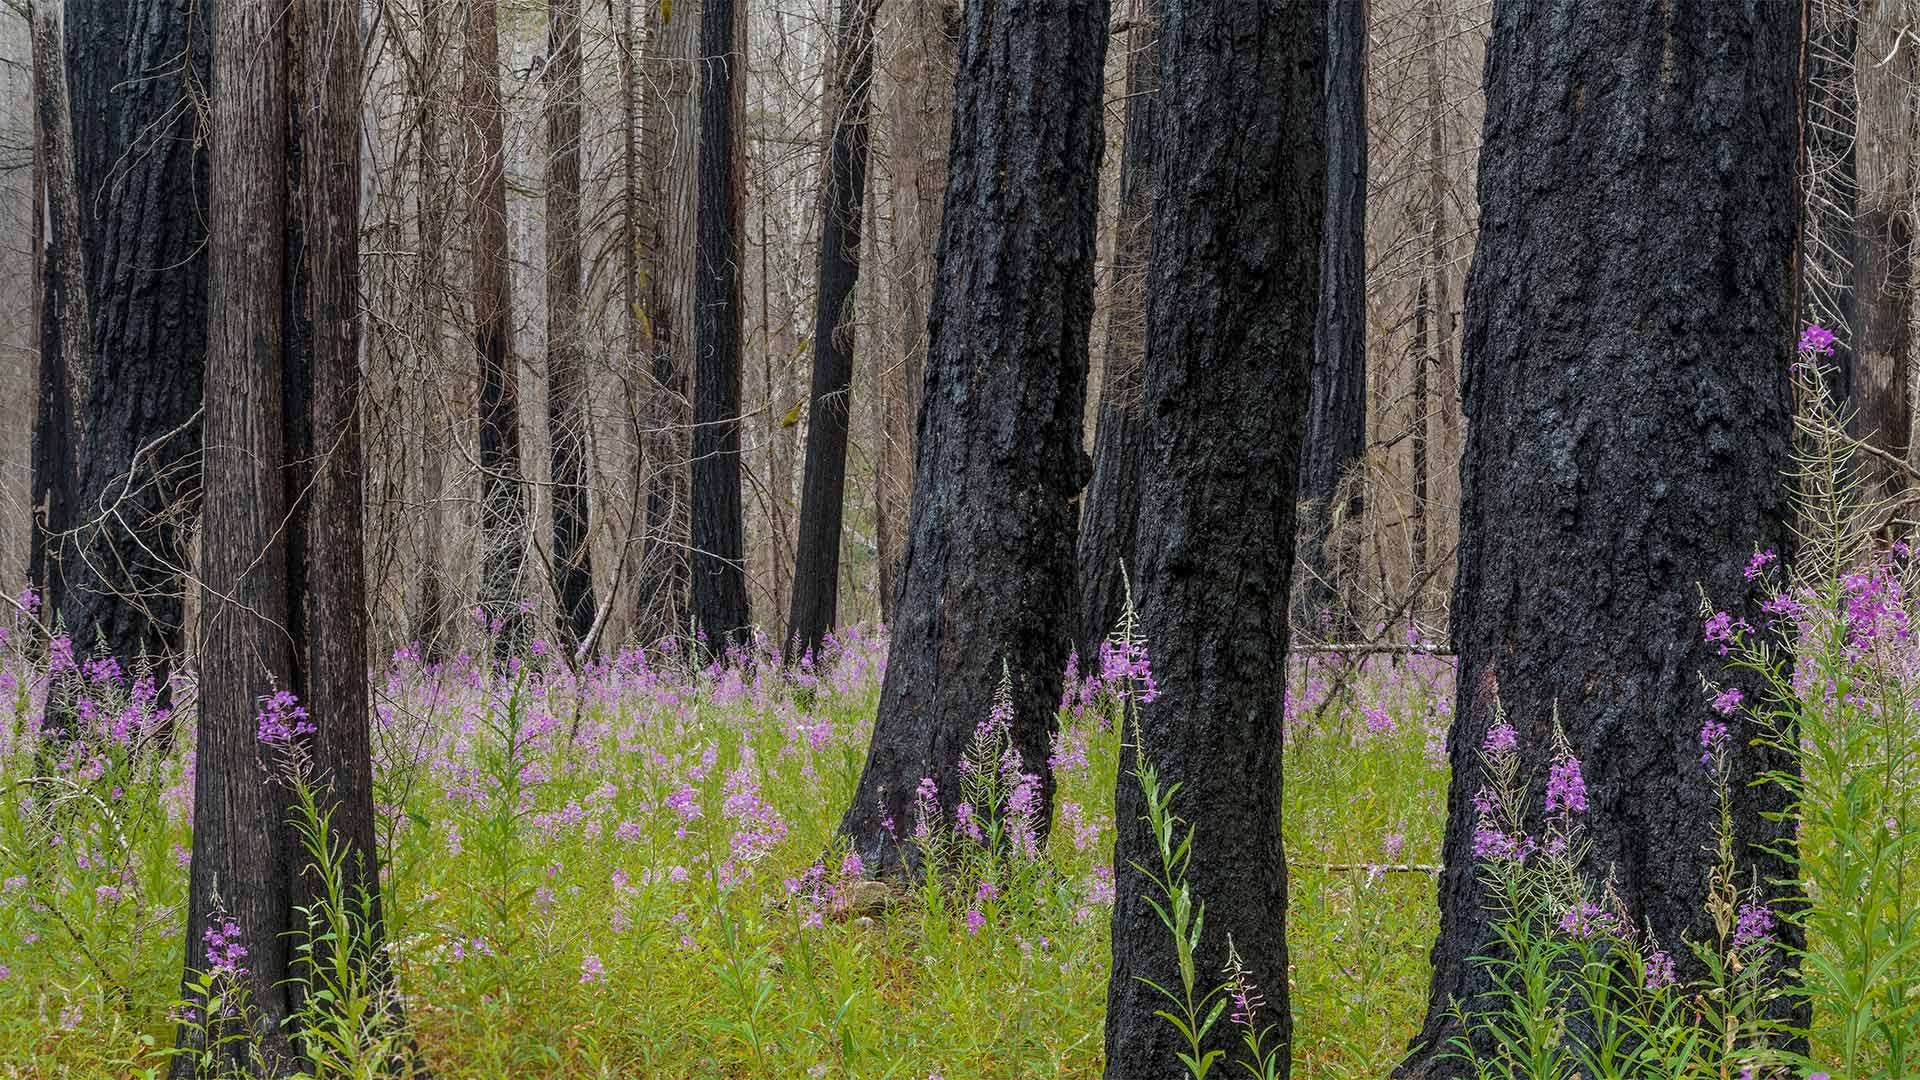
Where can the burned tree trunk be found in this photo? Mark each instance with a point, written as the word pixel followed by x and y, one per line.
pixel 142 183
pixel 242 848
pixel 1112 504
pixel 504 521
pixel 572 560
pixel 65 332
pixel 1336 432
pixel 1626 354
pixel 1232 288
pixel 816 573
pixel 988 570
pixel 719 518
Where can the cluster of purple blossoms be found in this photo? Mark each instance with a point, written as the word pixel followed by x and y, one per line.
pixel 757 825
pixel 1660 970
pixel 1755 925
pixel 1491 843
pixel 1727 702
pixel 1724 630
pixel 1713 739
pixel 224 950
pixel 926 810
pixel 1876 608
pixel 592 971
pixel 1241 991
pixel 1758 563
pixel 283 719
pixel 1589 920
pixel 1566 787
pixel 1817 339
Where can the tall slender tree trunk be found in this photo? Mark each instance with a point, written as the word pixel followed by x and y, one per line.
pixel 1336 432
pixel 141 174
pixel 671 129
pixel 719 542
pixel 988 585
pixel 1667 440
pixel 567 415
pixel 1232 290
pixel 331 575
pixel 921 118
pixel 242 849
pixel 504 520
pixel 431 610
pixel 816 574
pixel 65 331
pixel 1111 508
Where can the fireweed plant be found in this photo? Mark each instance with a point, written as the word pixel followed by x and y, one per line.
pixel 626 867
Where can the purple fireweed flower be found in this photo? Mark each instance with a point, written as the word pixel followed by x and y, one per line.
pixel 1727 702
pixel 1758 563
pixel 1378 720
pixel 592 970
pixel 926 809
pixel 1713 738
pixel 1723 630
pixel 224 950
pixel 1501 739
pixel 1755 925
pixel 1491 844
pixel 1589 920
pixel 1660 970
pixel 1566 787
pixel 975 920
pixel 282 719
pixel 1817 339
pixel 1241 990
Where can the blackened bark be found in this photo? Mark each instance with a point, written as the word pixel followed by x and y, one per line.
pixel 719 546
pixel 1831 187
pixel 1627 341
pixel 142 183
pixel 987 579
pixel 331 571
pixel 504 520
pixel 241 845
pixel 572 560
pixel 816 572
pixel 1234 280
pixel 65 332
pixel 1336 433
pixel 1112 505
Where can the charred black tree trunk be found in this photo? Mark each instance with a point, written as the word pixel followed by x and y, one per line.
pixel 1234 279
pixel 142 186
pixel 1831 186
pixel 504 520
pixel 1112 504
pixel 571 567
pixel 242 850
pixel 1336 433
pixel 65 332
pixel 1627 341
pixel 816 572
pixel 719 546
pixel 987 579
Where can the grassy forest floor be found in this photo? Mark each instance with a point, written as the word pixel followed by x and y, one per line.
pixel 632 872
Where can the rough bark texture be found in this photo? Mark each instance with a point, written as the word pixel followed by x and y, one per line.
pixel 241 846
pixel 816 574
pixel 921 118
pixel 504 520
pixel 1336 433
pixel 567 419
pixel 65 331
pixel 672 129
pixel 1626 351
pixel 987 579
pixel 1883 338
pixel 1105 557
pixel 333 552
pixel 432 607
pixel 142 184
pixel 719 543
pixel 1232 287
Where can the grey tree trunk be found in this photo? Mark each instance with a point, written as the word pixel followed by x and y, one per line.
pixel 987 578
pixel 1628 327
pixel 1232 289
